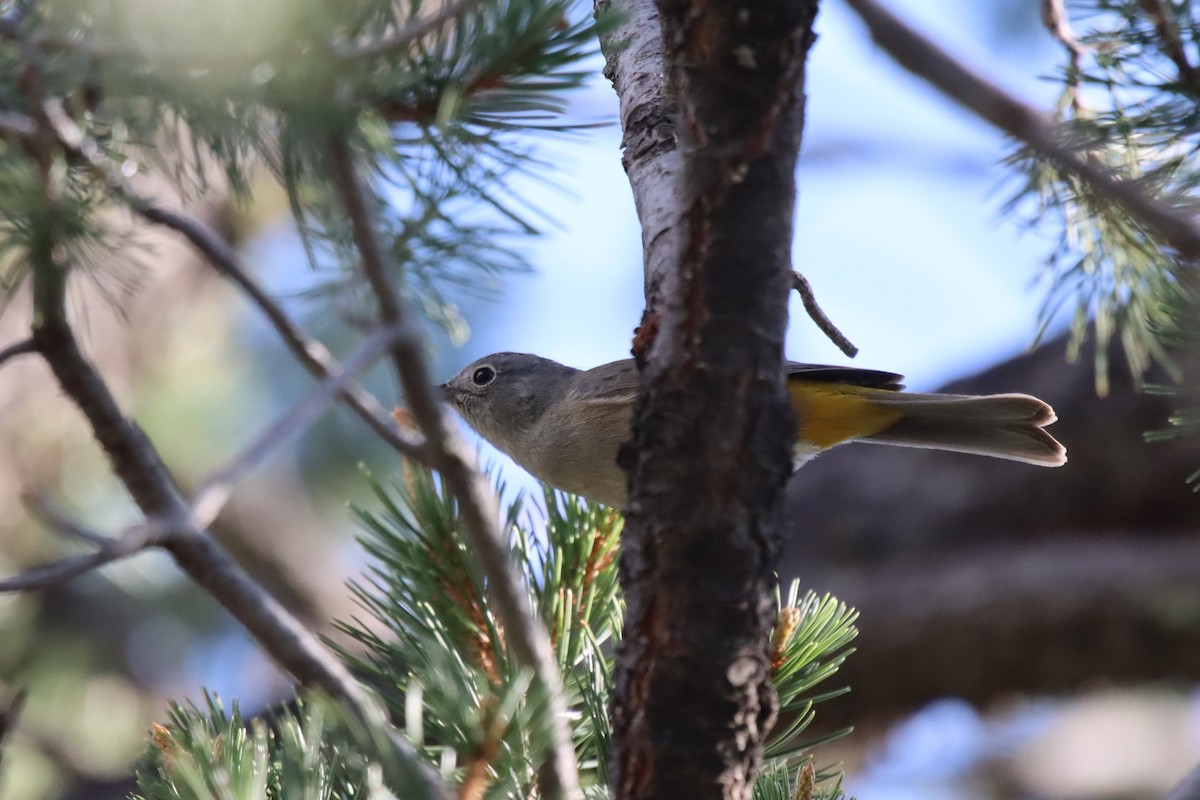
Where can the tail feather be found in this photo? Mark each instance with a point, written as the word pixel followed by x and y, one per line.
pixel 1003 426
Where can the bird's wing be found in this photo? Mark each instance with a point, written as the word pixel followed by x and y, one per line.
pixel 618 381
pixel 609 383
pixel 869 378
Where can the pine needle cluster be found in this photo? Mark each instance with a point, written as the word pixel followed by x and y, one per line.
pixel 429 643
pixel 1130 93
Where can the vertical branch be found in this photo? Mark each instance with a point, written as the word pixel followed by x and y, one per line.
pixel 709 454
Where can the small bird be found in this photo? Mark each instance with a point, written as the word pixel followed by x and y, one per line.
pixel 565 425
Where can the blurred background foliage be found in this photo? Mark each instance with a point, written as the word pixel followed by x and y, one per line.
pixel 897 231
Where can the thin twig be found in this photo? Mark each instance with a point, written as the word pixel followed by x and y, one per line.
pixel 1174 224
pixel 63 523
pixel 18 349
pixel 524 634
pixel 310 352
pixel 405 36
pixel 818 316
pixel 214 491
pixel 135 539
pixel 1056 20
pixel 1167 26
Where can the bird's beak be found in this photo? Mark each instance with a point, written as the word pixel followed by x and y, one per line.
pixel 443 392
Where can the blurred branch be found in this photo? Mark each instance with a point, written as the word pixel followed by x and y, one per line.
pixel 64 523
pixel 8 719
pixel 215 490
pixel 1175 225
pixel 817 315
pixel 405 36
pixel 1003 608
pixel 1188 788
pixel 310 352
pixel 1054 16
pixel 1167 27
pixel 448 453
pixel 19 349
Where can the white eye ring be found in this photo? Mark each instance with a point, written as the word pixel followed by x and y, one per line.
pixel 483 376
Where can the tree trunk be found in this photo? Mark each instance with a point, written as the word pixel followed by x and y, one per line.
pixel 711 449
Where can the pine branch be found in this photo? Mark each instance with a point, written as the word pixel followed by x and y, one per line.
pixel 137 464
pixel 450 456
pixel 923 58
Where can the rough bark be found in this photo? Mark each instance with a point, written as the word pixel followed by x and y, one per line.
pixel 709 455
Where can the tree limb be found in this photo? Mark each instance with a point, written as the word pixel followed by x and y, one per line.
pixel 1042 617
pixel 448 453
pixel 709 454
pixel 1174 224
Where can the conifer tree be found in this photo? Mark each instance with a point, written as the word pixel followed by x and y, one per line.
pixel 489 647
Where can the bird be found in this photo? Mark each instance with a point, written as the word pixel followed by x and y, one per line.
pixel 565 425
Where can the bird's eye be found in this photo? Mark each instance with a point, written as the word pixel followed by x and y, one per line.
pixel 483 376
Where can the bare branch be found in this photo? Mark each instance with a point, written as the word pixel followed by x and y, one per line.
pixel 524 633
pixel 18 349
pixel 1174 224
pixel 215 490
pixel 407 35
pixel 804 289
pixel 135 539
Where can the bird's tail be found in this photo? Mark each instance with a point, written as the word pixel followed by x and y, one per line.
pixel 999 425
